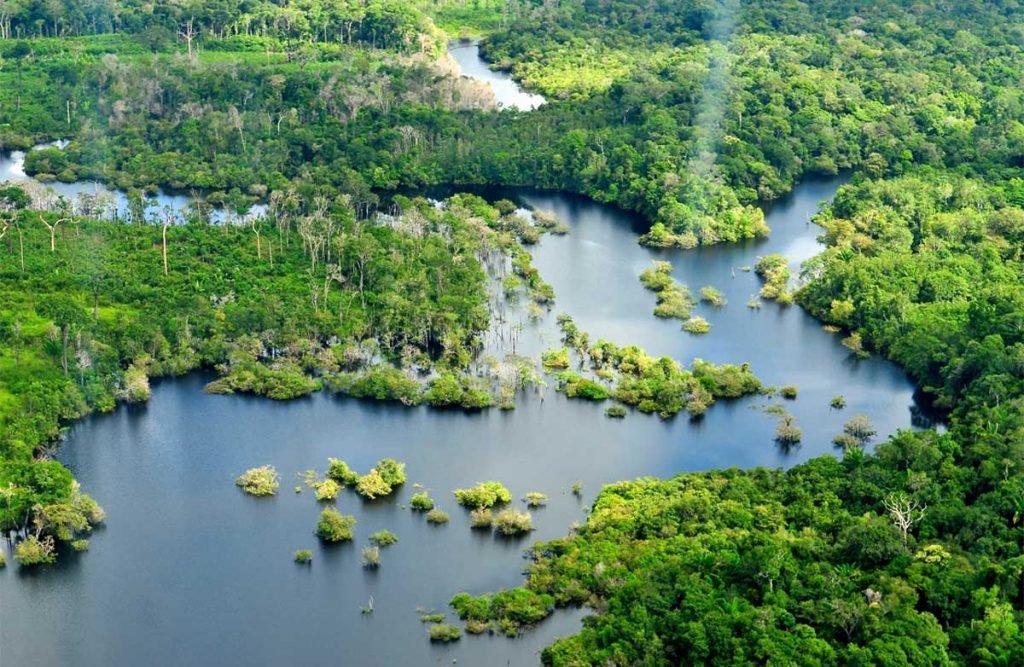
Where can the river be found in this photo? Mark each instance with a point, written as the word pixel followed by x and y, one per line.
pixel 191 571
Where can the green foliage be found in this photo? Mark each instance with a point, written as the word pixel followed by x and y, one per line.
pixel 334 527
pixel 789 392
pixel 261 481
pixel 34 550
pixel 513 522
pixel 535 499
pixel 383 538
pixel 437 516
pixel 696 325
pixel 574 385
pixel 372 485
pixel 327 490
pixel 509 611
pixel 303 556
pixel 484 494
pixel 616 411
pixel 481 518
pixel 774 270
pixel 391 471
pixel 674 300
pixel 339 471
pixel 712 296
pixel 838 402
pixel 421 502
pixel 432 618
pixel 444 633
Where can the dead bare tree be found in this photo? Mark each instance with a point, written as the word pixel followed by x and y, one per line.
pixel 53 230
pixel 188 33
pixel 904 511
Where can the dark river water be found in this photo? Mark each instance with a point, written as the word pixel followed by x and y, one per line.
pixel 190 571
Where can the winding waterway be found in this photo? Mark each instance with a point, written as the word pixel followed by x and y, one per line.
pixel 191 571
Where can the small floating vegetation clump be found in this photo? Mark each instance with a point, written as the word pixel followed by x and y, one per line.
pixel 382 479
pixel 432 618
pixel 857 432
pixel 444 633
pixel 774 270
pixel 303 556
pixel 448 390
pixel 535 499
pixel 437 516
pixel 340 472
pixel 789 392
pixel 712 296
pixel 616 411
pixel 555 359
pixel 484 494
pixel 481 518
pixel 421 502
pixel 696 325
pixel 513 522
pixel 328 489
pixel 577 488
pixel 754 303
pixel 261 481
pixel 787 433
pixel 838 402
pixel 371 557
pixel 673 300
pixel 335 527
pixel 383 538
pixel 35 550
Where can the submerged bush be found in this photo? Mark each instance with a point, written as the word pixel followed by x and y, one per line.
pixel 421 502
pixel 696 325
pixel 371 557
pixel 334 527
pixel 383 538
pixel 35 551
pixel 787 432
pixel 838 402
pixel 712 295
pixel 372 485
pixel 789 391
pixel 616 411
pixel 513 522
pixel 555 358
pixel 444 633
pixel 262 481
pixel 327 490
pixel 391 471
pixel 432 618
pixel 484 494
pixel 303 556
pixel 481 518
pixel 535 499
pixel 577 386
pixel 80 545
pixel 340 472
pixel 509 610
pixel 437 515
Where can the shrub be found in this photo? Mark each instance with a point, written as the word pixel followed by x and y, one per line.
pixel 535 499
pixel 383 538
pixel 696 325
pixel 860 428
pixel 838 402
pixel 391 471
pixel 442 632
pixel 481 518
pixel 437 516
pixel 787 432
pixel 555 358
pixel 3 560
pixel 577 488
pixel 432 618
pixel 513 522
pixel 334 527
pixel 80 545
pixel 484 494
pixel 262 481
pixel 616 411
pixel 304 556
pixel 372 485
pixel 340 472
pixel 713 296
pixel 371 557
pixel 421 502
pixel 327 490
pixel 577 386
pixel 35 551
pixel 789 392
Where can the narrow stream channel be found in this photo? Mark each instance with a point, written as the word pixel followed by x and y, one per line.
pixel 191 571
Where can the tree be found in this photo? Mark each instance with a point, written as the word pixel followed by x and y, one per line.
pixel 67 315
pixel 904 512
